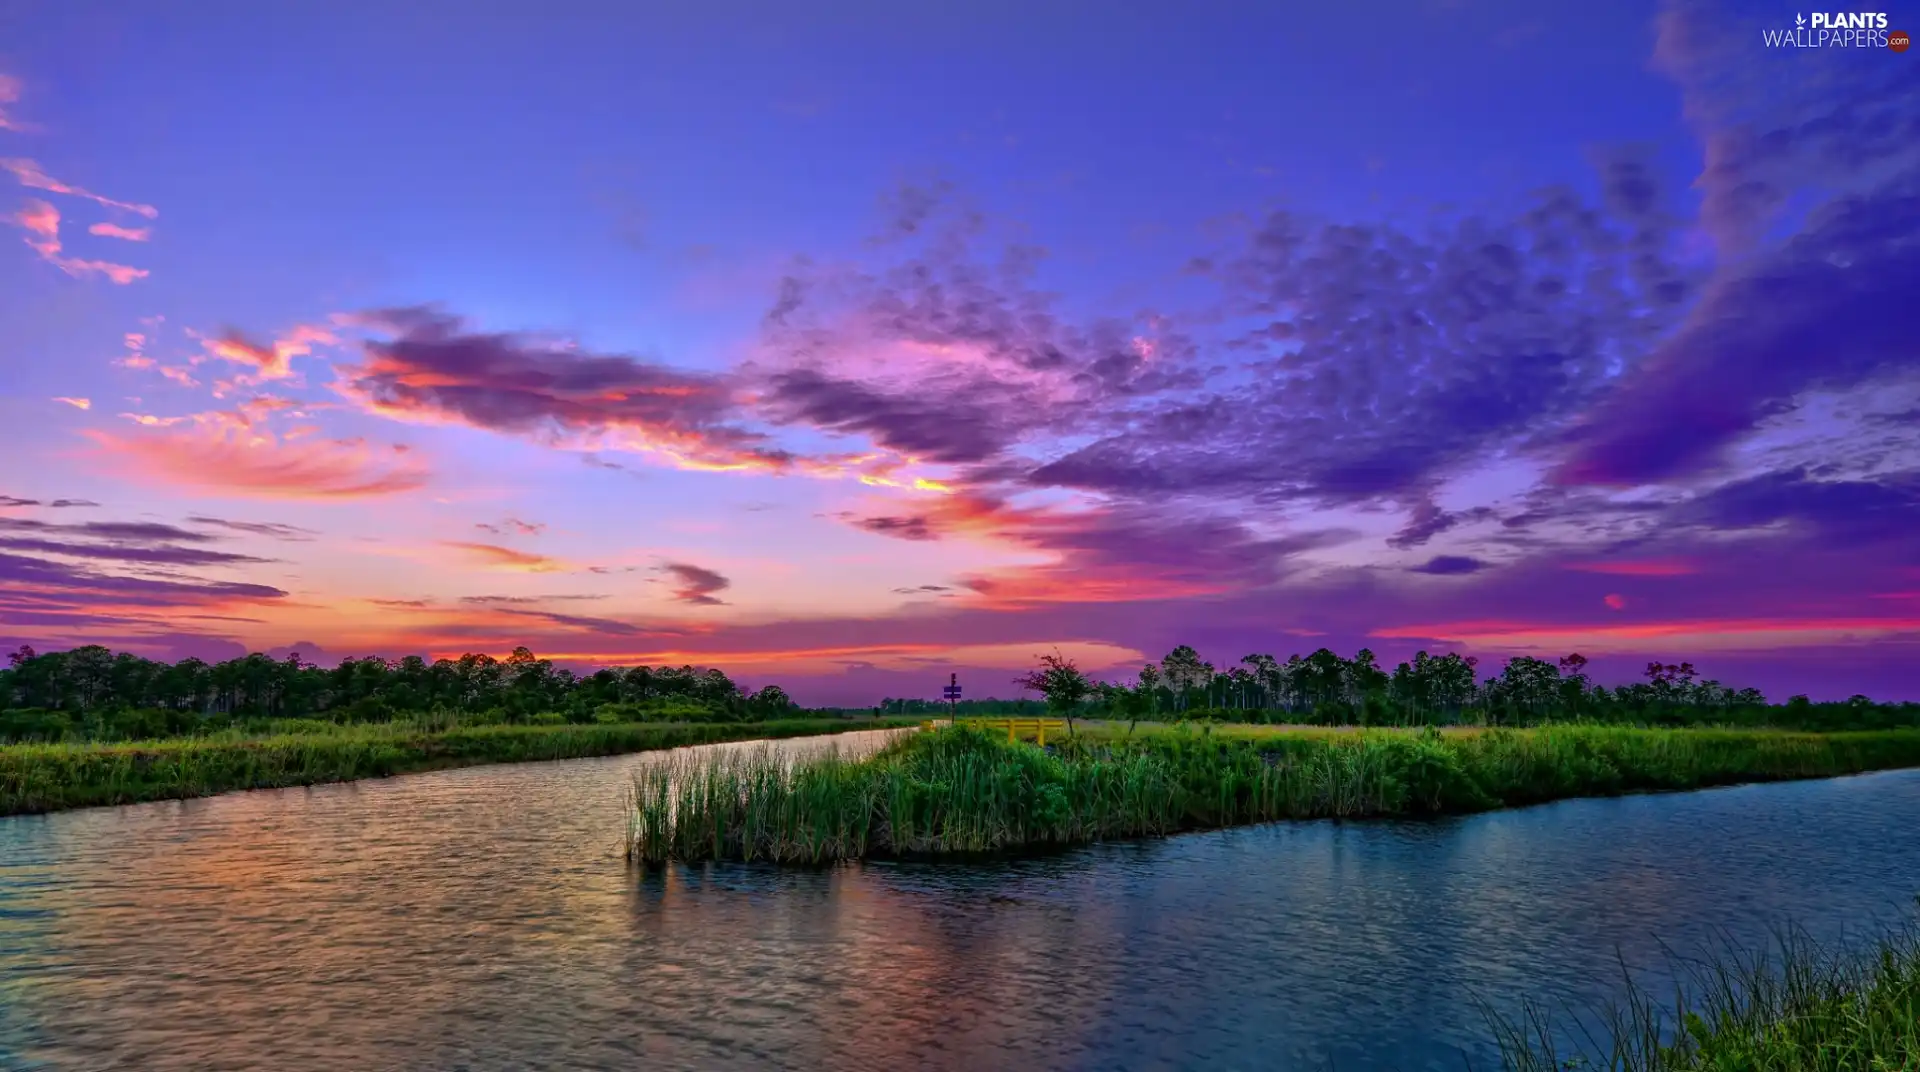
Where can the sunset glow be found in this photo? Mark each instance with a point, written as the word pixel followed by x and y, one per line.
pixel 852 396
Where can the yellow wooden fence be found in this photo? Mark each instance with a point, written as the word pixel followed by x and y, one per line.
pixel 1016 727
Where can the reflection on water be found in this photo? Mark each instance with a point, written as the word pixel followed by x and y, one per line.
pixel 484 919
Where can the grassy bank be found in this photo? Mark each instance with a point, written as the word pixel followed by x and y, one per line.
pixel 39 778
pixel 959 790
pixel 1795 1008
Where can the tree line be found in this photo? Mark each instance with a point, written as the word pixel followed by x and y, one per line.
pixel 1326 688
pixel 94 692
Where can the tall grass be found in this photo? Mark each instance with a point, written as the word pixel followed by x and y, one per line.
pixel 1797 1007
pixel 40 778
pixel 961 790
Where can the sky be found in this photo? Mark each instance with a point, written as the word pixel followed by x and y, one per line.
pixel 850 345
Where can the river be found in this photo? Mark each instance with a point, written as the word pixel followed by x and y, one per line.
pixel 485 919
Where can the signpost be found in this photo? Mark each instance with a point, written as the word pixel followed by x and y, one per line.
pixel 952 693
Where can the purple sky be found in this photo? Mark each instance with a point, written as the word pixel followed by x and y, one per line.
pixel 850 345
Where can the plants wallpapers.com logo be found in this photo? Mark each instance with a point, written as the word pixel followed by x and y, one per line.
pixel 1851 29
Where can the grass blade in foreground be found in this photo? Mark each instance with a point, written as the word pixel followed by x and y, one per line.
pixel 1797 1008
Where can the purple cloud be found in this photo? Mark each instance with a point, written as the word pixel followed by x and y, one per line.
pixel 697 584
pixel 1811 191
pixel 1380 361
pixel 433 366
pixel 1841 512
pixel 72 585
pixel 905 528
pixel 129 531
pixel 274 529
pixel 1449 566
pixel 161 554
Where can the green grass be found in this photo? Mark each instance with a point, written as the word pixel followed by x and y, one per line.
pixel 1795 1008
pixel 52 777
pixel 962 790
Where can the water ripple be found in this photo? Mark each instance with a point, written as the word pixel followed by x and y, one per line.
pixel 484 919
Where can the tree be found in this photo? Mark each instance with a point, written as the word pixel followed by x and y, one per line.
pixel 1061 682
pixel 1124 702
pixel 1150 685
pixel 1183 671
pixel 771 701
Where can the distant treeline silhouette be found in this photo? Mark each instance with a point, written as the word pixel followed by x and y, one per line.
pixel 1325 688
pixel 92 692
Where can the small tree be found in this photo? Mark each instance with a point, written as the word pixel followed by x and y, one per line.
pixel 1061 682
pixel 1150 687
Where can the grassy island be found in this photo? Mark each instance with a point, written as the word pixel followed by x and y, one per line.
pixel 958 790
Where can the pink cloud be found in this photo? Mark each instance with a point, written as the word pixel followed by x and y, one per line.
pixel 29 174
pixel 117 273
pixel 10 93
pixel 227 456
pixel 76 403
pixel 1615 601
pixel 41 221
pixel 114 230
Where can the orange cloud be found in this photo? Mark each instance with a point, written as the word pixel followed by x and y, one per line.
pixel 76 403
pixel 114 230
pixel 506 558
pixel 273 361
pixel 219 452
pixel 29 174
pixel 1650 567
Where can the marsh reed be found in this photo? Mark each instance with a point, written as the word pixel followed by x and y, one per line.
pixel 1798 1006
pixel 957 790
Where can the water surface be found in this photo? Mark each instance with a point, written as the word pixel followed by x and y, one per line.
pixel 484 919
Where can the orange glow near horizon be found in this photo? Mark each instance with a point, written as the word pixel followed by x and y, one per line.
pixel 1652 567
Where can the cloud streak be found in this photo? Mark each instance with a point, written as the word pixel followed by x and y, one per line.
pixel 227 457
pixel 125 234
pixel 29 174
